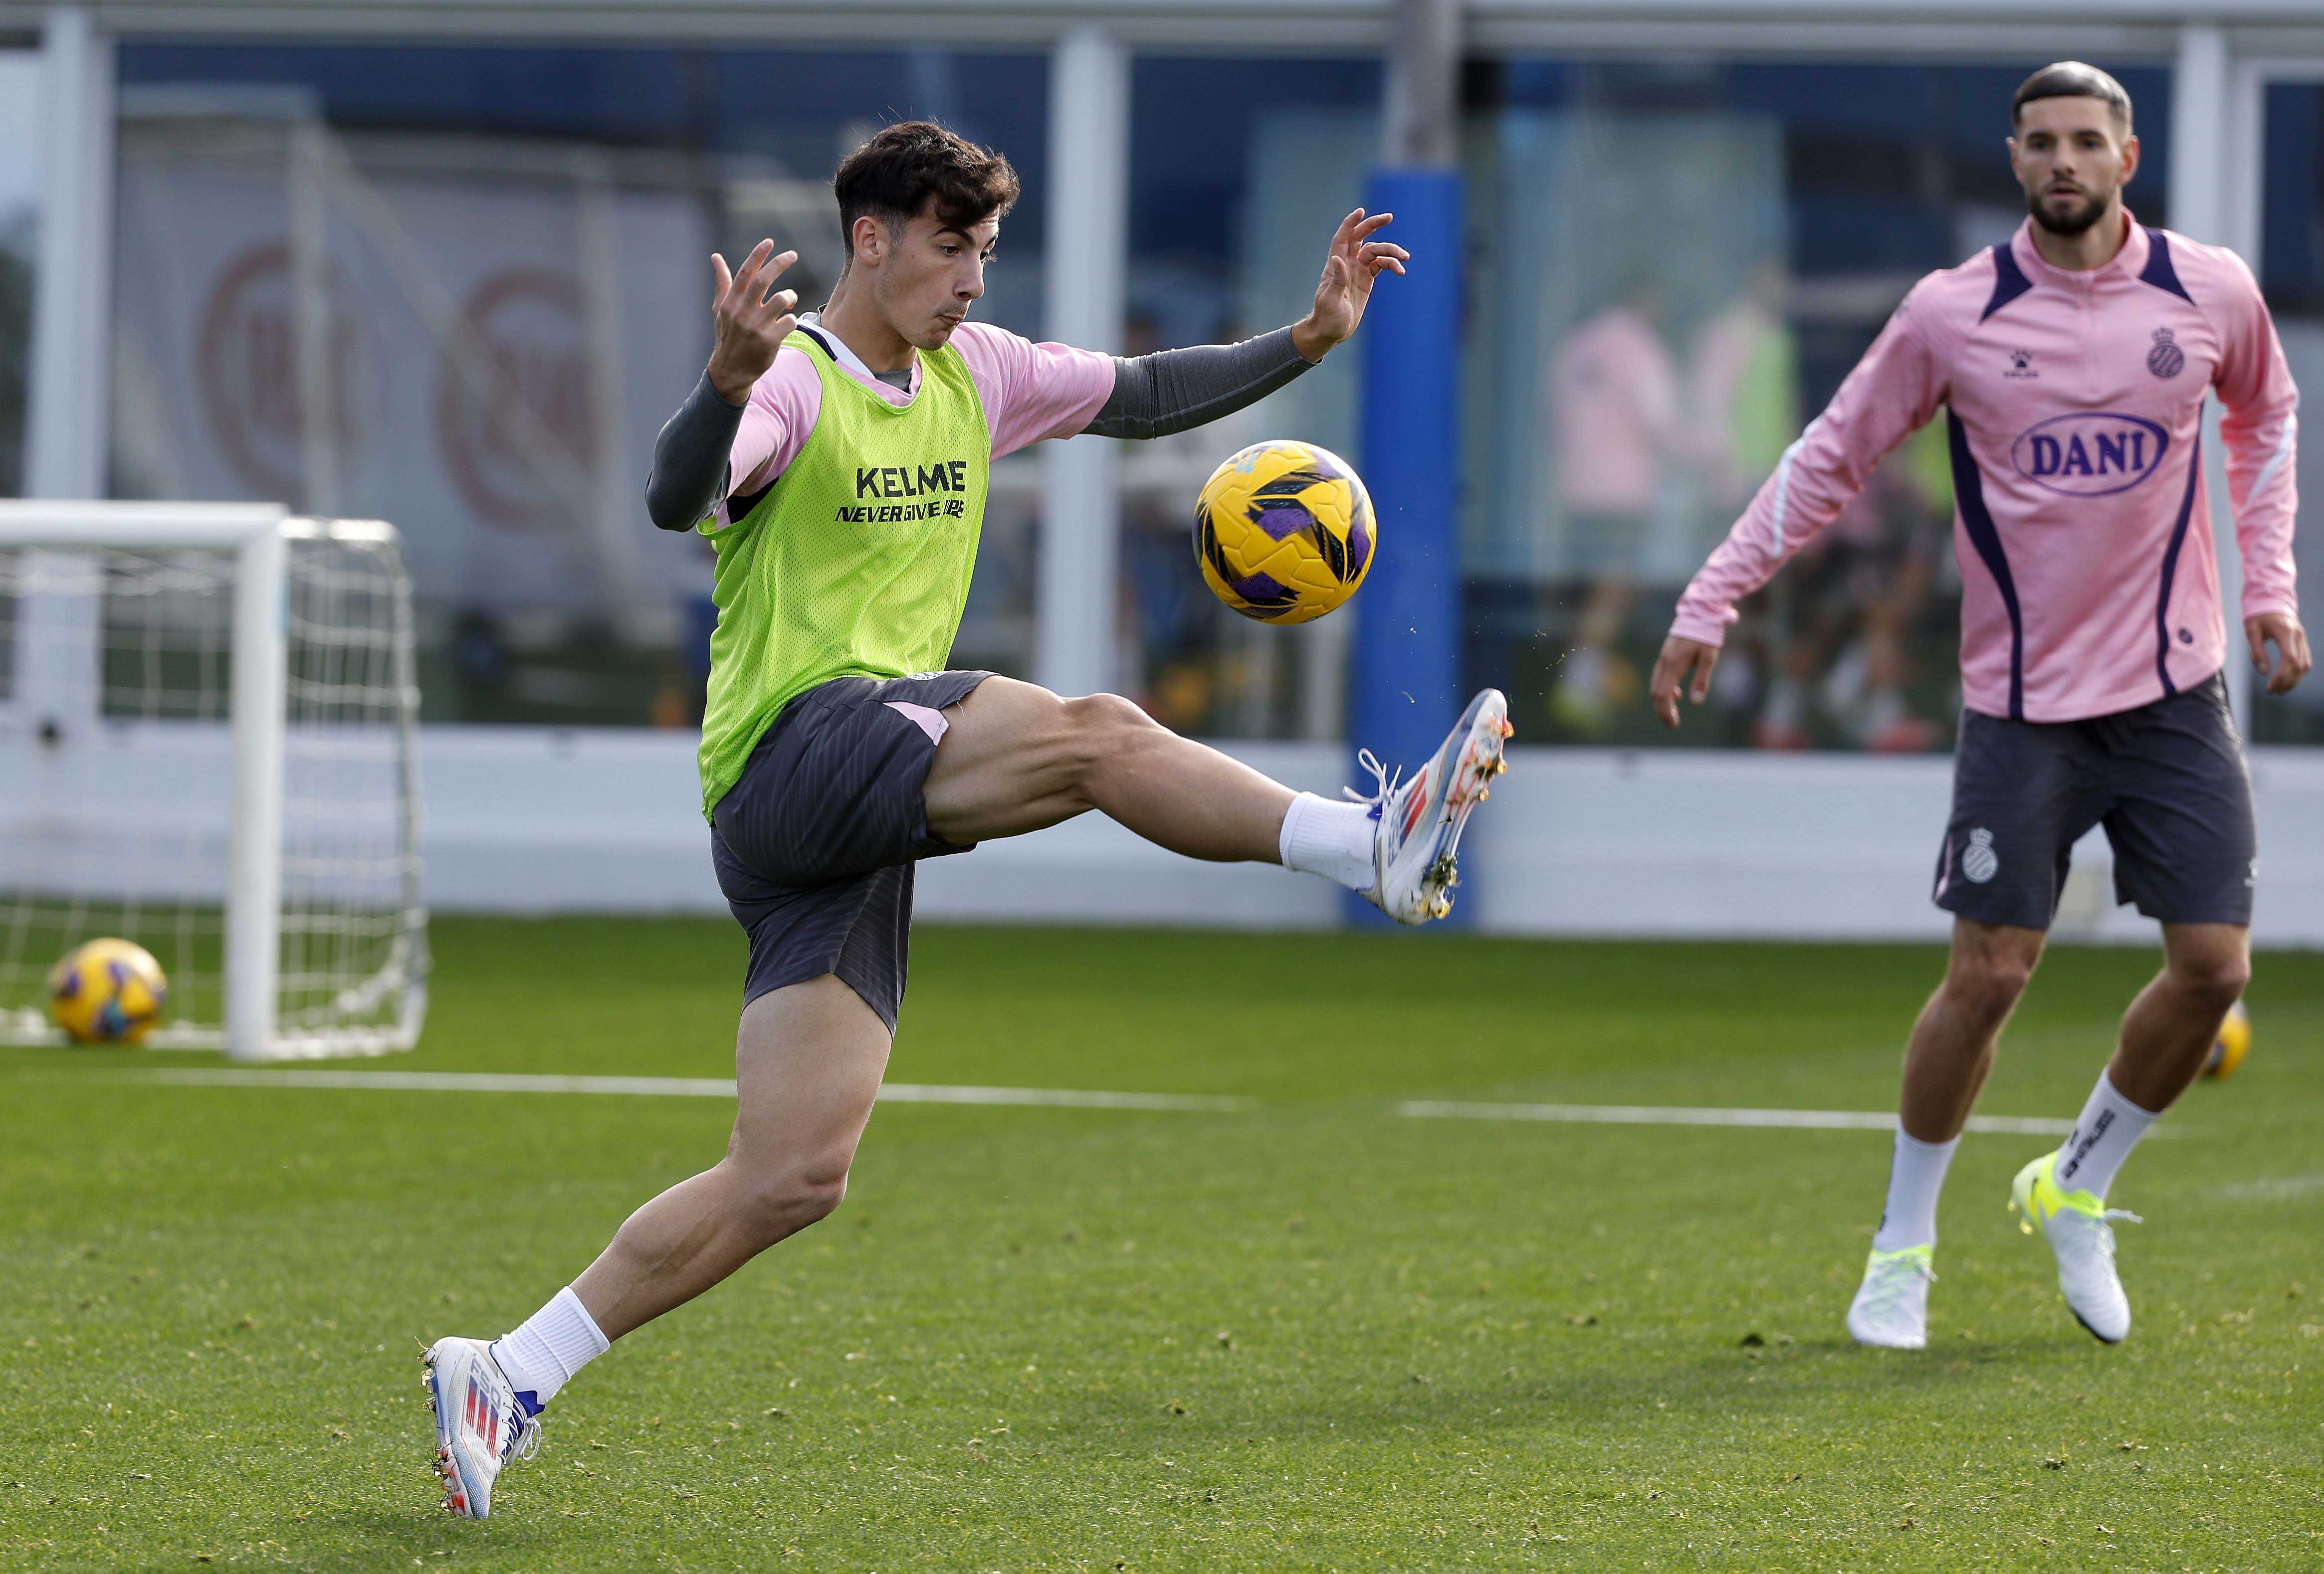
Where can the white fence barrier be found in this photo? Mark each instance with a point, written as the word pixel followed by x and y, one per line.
pixel 1575 842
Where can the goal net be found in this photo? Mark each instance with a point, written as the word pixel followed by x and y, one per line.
pixel 207 746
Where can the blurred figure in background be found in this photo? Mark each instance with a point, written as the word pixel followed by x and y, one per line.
pixel 1743 397
pixel 1840 626
pixel 1742 408
pixel 1614 421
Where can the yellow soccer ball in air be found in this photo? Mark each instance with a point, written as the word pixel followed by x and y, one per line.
pixel 2234 1043
pixel 1284 531
pixel 107 991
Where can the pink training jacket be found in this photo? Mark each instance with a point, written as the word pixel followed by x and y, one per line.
pixel 2075 400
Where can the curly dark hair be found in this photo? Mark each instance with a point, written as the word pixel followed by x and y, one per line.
pixel 904 166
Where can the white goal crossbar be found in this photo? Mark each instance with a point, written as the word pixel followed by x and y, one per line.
pixel 261 539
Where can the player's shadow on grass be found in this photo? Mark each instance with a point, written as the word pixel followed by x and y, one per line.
pixel 1800 1375
pixel 371 1539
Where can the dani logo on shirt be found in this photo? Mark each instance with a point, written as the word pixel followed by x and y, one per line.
pixel 2090 453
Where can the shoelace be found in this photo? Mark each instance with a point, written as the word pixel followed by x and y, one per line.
pixel 524 1434
pixel 1383 782
pixel 1892 1280
pixel 2102 1237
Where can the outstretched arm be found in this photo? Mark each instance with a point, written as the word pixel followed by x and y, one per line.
pixel 692 454
pixel 1171 390
pixel 1892 392
pixel 1174 390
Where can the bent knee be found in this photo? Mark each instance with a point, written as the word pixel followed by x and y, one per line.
pixel 1989 985
pixel 785 1202
pixel 1108 717
pixel 1100 728
pixel 2217 981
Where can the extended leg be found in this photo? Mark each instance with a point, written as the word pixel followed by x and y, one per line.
pixel 1018 758
pixel 807 1061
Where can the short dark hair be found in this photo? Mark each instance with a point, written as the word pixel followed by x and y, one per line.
pixel 902 167
pixel 2073 80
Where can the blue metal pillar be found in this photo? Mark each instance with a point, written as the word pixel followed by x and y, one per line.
pixel 1404 669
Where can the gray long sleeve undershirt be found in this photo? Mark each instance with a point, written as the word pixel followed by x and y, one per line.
pixel 689 462
pixel 1170 391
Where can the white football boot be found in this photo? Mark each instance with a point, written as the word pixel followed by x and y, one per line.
pixel 1417 824
pixel 2080 1228
pixel 1891 1305
pixel 480 1423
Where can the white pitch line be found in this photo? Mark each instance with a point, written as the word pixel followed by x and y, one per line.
pixel 1658 1115
pixel 674 1087
pixel 1085 1099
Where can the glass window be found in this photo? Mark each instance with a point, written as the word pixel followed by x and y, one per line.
pixel 1675 263
pixel 20 205
pixel 2291 275
pixel 461 288
pixel 1240 171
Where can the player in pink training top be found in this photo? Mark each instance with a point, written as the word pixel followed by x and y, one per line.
pixel 2073 362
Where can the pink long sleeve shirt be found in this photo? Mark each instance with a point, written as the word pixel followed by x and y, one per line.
pixel 1030 391
pixel 2075 400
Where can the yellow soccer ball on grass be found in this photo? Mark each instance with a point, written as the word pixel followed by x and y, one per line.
pixel 1284 531
pixel 2234 1043
pixel 107 991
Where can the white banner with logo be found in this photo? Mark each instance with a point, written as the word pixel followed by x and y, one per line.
pixel 475 339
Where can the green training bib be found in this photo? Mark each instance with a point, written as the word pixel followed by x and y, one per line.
pixel 857 560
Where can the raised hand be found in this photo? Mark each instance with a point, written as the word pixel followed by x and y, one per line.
pixel 751 322
pixel 1354 261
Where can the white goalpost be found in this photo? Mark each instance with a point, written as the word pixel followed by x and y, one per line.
pixel 208 746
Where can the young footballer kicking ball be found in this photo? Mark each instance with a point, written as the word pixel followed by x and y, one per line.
pixel 838 463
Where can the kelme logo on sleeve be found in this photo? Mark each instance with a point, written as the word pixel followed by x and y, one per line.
pixel 2090 453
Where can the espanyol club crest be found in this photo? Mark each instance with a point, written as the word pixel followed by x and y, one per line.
pixel 2166 359
pixel 1980 862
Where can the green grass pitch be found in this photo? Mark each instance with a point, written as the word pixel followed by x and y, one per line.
pixel 1312 1334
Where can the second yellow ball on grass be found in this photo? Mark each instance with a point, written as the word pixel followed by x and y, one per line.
pixel 107 991
pixel 2234 1043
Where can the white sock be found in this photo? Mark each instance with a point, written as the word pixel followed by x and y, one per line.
pixel 540 1354
pixel 2109 1127
pixel 1334 840
pixel 1916 1176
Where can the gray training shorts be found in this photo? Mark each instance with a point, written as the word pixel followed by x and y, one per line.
pixel 815 844
pixel 2167 780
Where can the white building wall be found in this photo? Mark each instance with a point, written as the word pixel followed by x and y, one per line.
pixel 1575 842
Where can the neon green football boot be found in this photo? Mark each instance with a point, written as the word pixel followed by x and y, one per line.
pixel 2079 1228
pixel 1891 1309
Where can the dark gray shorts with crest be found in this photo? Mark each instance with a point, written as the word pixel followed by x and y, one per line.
pixel 2167 780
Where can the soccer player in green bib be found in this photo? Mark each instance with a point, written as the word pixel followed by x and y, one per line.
pixel 839 463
